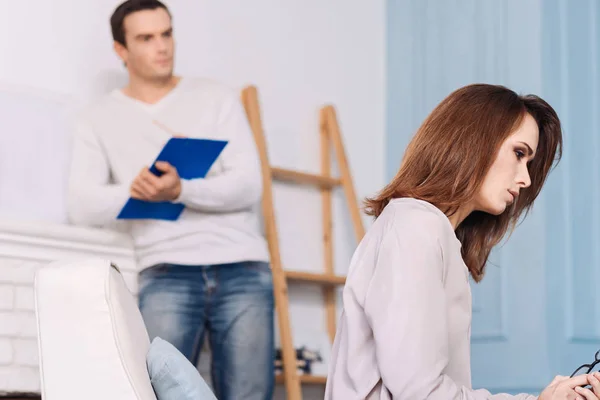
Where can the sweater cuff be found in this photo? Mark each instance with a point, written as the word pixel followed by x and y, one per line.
pixel 183 192
pixel 187 191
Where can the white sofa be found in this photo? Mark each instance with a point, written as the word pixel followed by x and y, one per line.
pixel 92 339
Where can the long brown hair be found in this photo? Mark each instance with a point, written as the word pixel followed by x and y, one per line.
pixel 448 158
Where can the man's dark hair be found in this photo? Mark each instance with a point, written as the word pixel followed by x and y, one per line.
pixel 129 7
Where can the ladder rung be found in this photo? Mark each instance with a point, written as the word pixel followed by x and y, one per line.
pixel 308 379
pixel 303 177
pixel 325 279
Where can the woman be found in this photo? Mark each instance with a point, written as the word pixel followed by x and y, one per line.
pixel 474 167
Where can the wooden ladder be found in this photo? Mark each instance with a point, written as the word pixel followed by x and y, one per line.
pixel 330 135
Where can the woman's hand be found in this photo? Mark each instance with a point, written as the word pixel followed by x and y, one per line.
pixel 587 394
pixel 565 388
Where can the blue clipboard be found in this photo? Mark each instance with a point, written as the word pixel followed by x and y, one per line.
pixel 192 158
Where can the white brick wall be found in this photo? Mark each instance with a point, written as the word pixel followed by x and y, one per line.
pixel 17 323
pixel 18 345
pixel 6 297
pixel 15 271
pixel 26 352
pixel 24 298
pixel 21 254
pixel 19 379
pixel 6 352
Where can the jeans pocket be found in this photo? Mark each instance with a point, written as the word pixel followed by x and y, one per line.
pixel 150 274
pixel 258 273
pixel 155 270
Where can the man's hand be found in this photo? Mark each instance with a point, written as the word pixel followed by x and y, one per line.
pixel 149 187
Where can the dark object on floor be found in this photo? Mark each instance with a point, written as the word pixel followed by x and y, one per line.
pixel 21 397
pixel 304 357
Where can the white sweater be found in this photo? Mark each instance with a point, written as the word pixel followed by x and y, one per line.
pixel 406 321
pixel 116 137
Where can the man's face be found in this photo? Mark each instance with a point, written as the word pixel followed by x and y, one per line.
pixel 150 45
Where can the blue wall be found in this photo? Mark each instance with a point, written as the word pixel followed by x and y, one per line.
pixel 571 82
pixel 536 314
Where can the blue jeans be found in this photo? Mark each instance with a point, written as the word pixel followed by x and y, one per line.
pixel 234 303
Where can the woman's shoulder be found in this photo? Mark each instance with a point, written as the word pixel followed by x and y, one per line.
pixel 417 223
pixel 416 216
pixel 407 232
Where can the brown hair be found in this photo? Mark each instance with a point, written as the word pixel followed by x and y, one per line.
pixel 448 158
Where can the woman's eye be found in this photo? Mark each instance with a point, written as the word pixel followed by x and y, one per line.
pixel 520 154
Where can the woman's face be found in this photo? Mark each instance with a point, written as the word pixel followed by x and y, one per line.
pixel 509 172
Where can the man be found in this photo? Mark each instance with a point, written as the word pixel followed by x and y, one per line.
pixel 208 271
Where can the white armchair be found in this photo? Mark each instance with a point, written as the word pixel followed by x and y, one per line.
pixel 92 339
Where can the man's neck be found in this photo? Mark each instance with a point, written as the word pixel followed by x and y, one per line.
pixel 150 92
